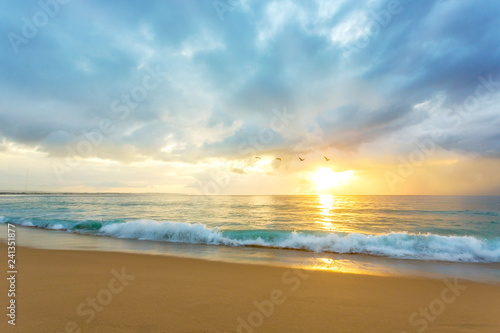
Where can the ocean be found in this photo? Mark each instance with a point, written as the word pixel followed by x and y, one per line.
pixel 410 235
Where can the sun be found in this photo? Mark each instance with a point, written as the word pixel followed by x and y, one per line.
pixel 326 178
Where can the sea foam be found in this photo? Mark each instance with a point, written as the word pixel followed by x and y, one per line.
pixel 394 245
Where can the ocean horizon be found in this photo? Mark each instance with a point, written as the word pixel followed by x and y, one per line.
pixel 407 235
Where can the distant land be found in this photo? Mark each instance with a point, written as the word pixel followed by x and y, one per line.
pixel 76 193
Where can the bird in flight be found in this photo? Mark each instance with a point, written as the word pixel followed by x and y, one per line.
pixel 257 157
pixel 326 158
pixel 301 159
pixel 278 158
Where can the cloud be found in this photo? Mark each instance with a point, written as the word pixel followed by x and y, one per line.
pixel 224 77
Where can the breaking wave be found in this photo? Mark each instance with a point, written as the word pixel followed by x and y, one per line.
pixel 394 245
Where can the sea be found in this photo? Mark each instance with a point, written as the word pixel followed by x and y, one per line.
pixel 433 236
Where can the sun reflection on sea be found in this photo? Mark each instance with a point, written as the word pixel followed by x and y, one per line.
pixel 346 266
pixel 341 266
pixel 334 213
pixel 326 204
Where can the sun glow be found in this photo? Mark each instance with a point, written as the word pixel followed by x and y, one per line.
pixel 326 178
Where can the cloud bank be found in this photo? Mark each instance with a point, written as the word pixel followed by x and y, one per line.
pixel 198 82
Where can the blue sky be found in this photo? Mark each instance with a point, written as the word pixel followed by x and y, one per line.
pixel 189 91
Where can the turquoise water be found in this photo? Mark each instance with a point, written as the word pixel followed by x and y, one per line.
pixel 425 228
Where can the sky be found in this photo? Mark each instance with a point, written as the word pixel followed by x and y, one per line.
pixel 402 97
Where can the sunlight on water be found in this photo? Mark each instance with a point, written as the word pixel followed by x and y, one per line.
pixel 341 266
pixel 326 202
pixel 333 211
pixel 412 227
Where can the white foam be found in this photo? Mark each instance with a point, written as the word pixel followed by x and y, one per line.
pixel 27 224
pixel 401 245
pixel 395 245
pixel 166 231
pixel 56 227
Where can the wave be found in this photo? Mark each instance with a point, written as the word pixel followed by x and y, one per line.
pixel 393 245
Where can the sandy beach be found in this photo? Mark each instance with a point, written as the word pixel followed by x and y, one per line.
pixel 250 166
pixel 82 291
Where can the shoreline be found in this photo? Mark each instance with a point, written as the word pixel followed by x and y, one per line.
pixel 40 238
pixel 176 294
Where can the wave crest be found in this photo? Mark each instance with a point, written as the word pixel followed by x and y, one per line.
pixel 166 231
pixel 393 245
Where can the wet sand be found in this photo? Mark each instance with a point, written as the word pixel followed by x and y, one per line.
pixel 84 291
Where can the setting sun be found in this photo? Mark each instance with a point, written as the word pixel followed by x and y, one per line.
pixel 326 178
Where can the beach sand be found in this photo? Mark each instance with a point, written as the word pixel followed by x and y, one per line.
pixel 79 291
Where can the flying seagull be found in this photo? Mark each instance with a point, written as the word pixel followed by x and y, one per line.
pixel 257 157
pixel 301 159
pixel 326 158
pixel 278 158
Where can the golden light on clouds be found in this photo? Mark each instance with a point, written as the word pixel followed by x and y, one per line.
pixel 326 178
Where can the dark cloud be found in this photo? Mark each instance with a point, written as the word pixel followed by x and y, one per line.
pixel 234 72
